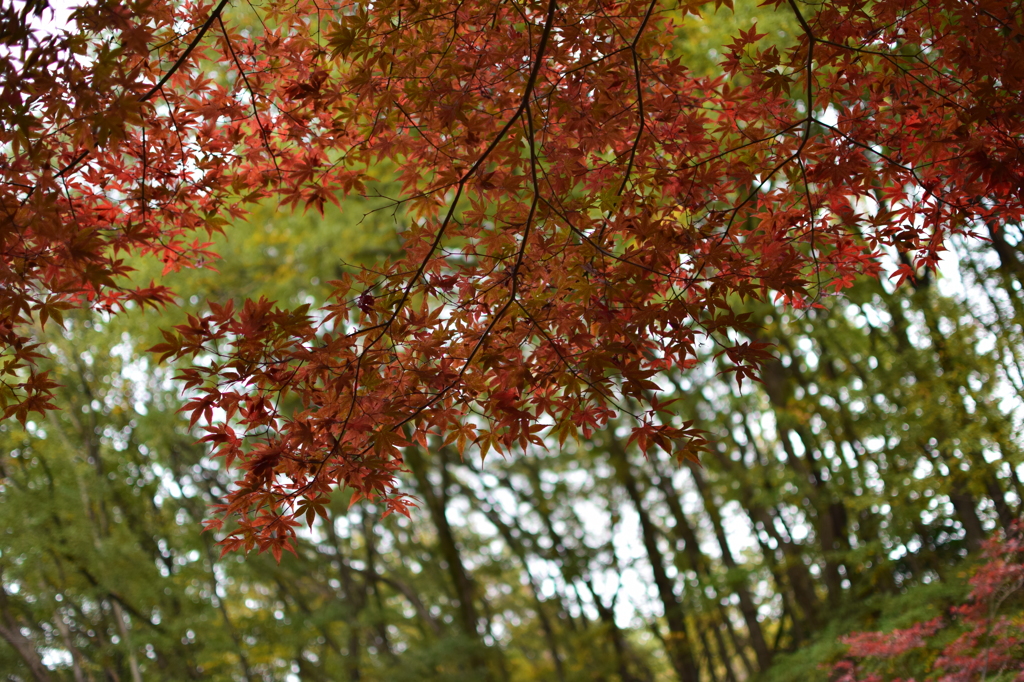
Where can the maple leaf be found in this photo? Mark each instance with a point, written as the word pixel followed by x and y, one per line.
pixel 576 206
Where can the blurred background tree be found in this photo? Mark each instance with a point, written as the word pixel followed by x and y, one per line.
pixel 848 490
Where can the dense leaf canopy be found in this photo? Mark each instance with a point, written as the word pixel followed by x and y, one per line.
pixel 652 203
pixel 846 492
pixel 579 210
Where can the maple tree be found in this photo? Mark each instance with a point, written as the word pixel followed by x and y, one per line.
pixel 579 211
pixel 848 461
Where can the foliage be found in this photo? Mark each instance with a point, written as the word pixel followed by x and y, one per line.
pixel 579 210
pixel 984 642
pixel 888 412
pixel 589 321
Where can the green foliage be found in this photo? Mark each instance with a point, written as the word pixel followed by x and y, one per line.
pixel 287 256
pixel 703 42
pixel 881 612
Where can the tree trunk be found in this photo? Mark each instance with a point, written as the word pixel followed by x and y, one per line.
pixel 10 630
pixel 680 651
pixel 517 548
pixel 465 591
pixel 736 583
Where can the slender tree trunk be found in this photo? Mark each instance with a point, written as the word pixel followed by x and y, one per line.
pixel 829 520
pixel 516 546
pixel 739 645
pixel 686 534
pixel 737 584
pixel 800 582
pixel 10 630
pixel 383 641
pixel 723 652
pixel 967 510
pixel 229 625
pixel 680 650
pixel 465 591
pixel 823 522
pixel 76 655
pixel 709 655
pixel 623 653
pixel 353 597
pixel 122 627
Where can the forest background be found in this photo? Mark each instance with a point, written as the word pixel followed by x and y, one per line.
pixel 853 488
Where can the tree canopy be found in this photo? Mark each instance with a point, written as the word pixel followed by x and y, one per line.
pixel 862 484
pixel 850 490
pixel 579 209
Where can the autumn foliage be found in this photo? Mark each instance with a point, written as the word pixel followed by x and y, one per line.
pixel 579 210
pixel 986 642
